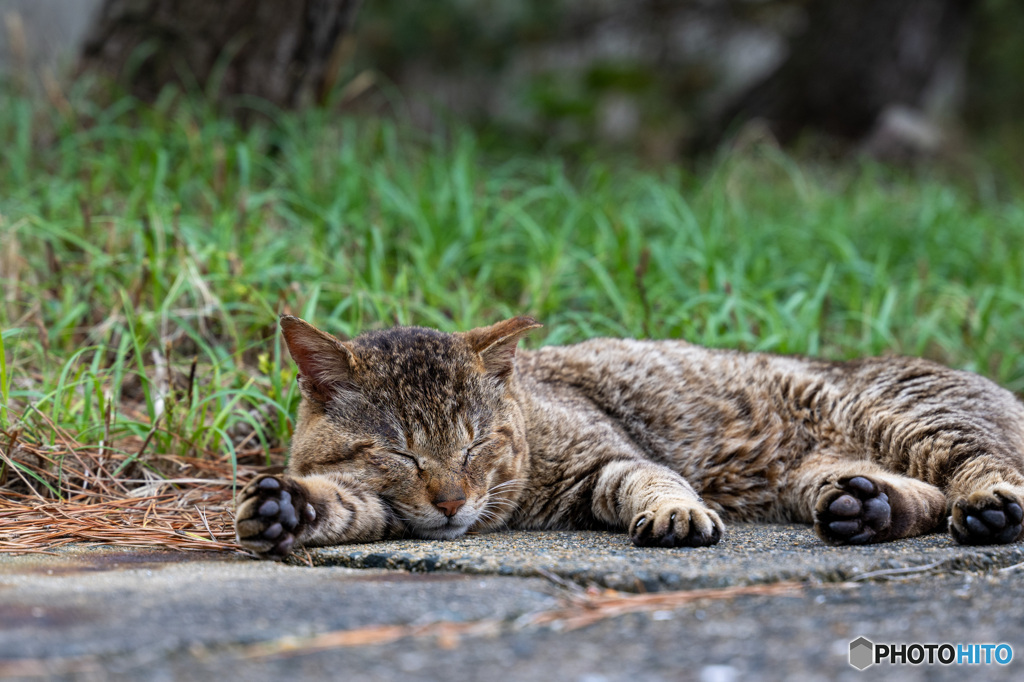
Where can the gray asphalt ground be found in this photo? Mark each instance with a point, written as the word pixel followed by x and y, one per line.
pixel 504 606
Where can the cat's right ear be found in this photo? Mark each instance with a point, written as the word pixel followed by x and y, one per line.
pixel 325 364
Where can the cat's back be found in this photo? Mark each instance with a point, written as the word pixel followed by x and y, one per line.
pixel 673 395
pixel 696 408
pixel 656 374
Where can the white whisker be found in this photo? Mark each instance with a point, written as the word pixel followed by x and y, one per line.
pixel 493 517
pixel 502 500
pixel 509 483
pixel 504 504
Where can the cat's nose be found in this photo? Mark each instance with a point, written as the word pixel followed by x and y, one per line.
pixel 450 507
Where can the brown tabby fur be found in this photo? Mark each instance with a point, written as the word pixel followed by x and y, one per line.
pixel 417 432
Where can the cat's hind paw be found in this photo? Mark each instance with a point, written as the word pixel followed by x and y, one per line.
pixel 679 524
pixel 986 517
pixel 270 514
pixel 852 511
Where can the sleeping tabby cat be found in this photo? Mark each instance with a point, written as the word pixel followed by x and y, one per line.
pixel 411 431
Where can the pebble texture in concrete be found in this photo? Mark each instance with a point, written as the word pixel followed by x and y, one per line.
pixel 749 554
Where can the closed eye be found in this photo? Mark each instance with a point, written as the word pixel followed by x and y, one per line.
pixel 475 448
pixel 408 456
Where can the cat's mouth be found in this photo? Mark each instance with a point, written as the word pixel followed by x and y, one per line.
pixel 449 529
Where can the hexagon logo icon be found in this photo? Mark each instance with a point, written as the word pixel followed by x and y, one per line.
pixel 862 653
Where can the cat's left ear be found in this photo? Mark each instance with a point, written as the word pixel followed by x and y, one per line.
pixel 497 344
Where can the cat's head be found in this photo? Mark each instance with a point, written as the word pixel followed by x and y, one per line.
pixel 423 418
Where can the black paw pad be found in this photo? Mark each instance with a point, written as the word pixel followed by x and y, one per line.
pixel 986 518
pixel 852 511
pixel 270 513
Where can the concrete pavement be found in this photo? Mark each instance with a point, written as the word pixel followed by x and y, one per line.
pixel 480 608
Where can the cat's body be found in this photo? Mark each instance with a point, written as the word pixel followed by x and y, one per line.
pixel 418 432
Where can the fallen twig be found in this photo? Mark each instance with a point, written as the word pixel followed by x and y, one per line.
pixel 897 571
pixel 596 607
pixel 609 604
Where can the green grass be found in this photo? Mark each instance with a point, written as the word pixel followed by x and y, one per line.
pixel 140 247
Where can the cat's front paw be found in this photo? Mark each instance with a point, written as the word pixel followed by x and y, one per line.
pixel 852 511
pixel 676 524
pixel 986 517
pixel 270 514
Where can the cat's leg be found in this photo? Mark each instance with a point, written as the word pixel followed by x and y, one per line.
pixel 275 513
pixel 960 432
pixel 853 502
pixel 974 452
pixel 986 501
pixel 657 505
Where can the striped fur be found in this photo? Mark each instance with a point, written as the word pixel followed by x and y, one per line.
pixel 413 431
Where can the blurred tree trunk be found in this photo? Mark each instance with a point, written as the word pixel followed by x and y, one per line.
pixel 287 52
pixel 855 59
